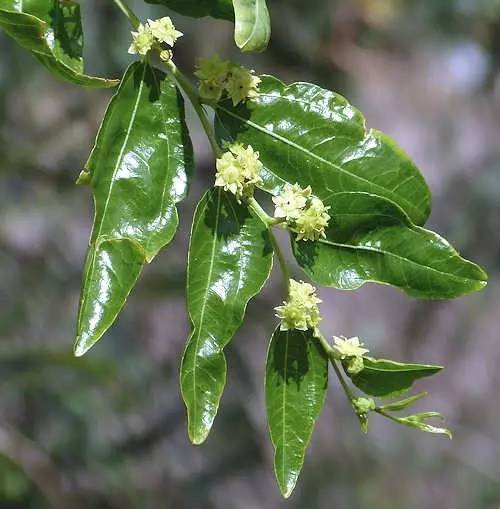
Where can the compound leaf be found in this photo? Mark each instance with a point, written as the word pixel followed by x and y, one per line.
pixel 296 385
pixel 230 258
pixel 52 31
pixel 138 171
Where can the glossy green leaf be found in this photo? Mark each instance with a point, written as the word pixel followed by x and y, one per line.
pixel 52 31
pixel 385 378
pixel 419 421
pixel 138 171
pixel 252 25
pixel 402 404
pixel 296 385
pixel 311 136
pixel 230 258
pixel 198 8
pixel 372 240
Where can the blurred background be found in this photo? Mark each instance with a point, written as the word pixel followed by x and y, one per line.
pixel 109 430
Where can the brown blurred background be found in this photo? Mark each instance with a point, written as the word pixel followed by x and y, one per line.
pixel 108 430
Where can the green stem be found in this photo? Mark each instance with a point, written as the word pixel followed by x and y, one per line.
pixel 134 20
pixel 194 98
pixel 378 410
pixel 269 221
pixel 281 260
pixel 342 381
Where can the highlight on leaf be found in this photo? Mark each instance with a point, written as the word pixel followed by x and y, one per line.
pixel 230 259
pixel 138 171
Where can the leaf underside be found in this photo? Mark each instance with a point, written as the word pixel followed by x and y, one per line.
pixel 296 384
pixel 252 29
pixel 386 378
pixel 230 258
pixel 52 31
pixel 138 170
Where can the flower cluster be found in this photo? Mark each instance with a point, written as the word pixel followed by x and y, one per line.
pixel 301 310
pixel 350 351
pixel 238 170
pixel 218 77
pixel 154 33
pixel 304 214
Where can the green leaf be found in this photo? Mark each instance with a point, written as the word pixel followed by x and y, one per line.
pixel 252 29
pixel 296 385
pixel 198 8
pixel 311 136
pixel 230 258
pixel 138 171
pixel 419 421
pixel 370 239
pixel 402 404
pixel 385 378
pixel 52 31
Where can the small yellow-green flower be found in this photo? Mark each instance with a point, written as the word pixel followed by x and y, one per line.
pixel 250 161
pixel 291 201
pixel 211 90
pixel 350 350
pixel 212 73
pixel 142 40
pixel 301 310
pixel 212 69
pixel 230 174
pixel 242 84
pixel 217 77
pixel 312 221
pixel 349 347
pixel 163 30
pixel 238 170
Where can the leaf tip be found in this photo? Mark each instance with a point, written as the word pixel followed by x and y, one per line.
pixel 286 481
pixel 287 489
pixel 197 437
pixel 81 346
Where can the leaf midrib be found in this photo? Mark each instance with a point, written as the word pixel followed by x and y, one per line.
pixel 317 157
pixel 254 27
pixel 118 162
pixel 204 303
pixel 398 257
pixel 283 420
pixel 403 370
